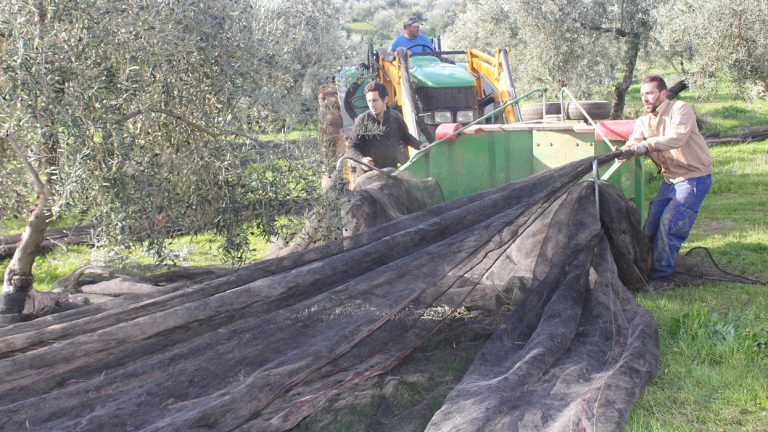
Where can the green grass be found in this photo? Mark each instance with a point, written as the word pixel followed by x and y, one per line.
pixel 714 339
pixel 723 112
pixel 200 250
pixel 50 267
pixel 361 27
pixel 725 117
pixel 16 225
pixel 289 135
pixel 714 360
pixel 53 266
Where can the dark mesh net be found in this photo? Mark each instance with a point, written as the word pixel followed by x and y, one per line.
pixel 384 195
pixel 378 197
pixel 518 283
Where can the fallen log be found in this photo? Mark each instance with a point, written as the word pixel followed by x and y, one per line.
pixel 755 133
pixel 76 235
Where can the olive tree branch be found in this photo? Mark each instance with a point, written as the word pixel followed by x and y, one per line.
pixel 618 31
pixel 189 123
pixel 32 171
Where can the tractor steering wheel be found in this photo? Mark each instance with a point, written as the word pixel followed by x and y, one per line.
pixel 423 46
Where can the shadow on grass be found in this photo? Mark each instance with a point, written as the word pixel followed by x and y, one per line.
pixel 742 258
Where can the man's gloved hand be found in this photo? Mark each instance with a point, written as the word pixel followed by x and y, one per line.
pixel 424 146
pixel 630 151
pixel 626 153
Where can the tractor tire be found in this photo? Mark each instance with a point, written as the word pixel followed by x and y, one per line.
pixel 427 130
pixel 597 110
pixel 533 111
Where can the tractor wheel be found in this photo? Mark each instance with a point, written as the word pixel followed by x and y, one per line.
pixel 597 110
pixel 330 122
pixel 533 111
pixel 427 130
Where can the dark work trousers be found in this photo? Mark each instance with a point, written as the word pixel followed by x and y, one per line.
pixel 671 215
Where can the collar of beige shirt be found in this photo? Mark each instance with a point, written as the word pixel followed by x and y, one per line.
pixel 662 108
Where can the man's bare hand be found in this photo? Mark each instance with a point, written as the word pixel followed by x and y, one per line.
pixel 366 160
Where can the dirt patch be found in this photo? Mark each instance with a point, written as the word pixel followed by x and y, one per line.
pixel 713 227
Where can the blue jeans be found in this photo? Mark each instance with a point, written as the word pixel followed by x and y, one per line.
pixel 671 215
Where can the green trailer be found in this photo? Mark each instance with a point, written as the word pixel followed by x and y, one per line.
pixel 480 157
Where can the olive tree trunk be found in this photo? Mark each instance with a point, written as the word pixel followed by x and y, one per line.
pixel 620 91
pixel 18 275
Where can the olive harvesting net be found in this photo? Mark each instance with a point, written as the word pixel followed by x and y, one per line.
pixel 509 309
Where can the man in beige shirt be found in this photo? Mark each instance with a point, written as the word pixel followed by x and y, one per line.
pixel 668 134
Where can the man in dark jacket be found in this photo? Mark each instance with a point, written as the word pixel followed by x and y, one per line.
pixel 379 133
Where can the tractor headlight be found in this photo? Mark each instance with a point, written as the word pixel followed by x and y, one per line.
pixel 465 117
pixel 443 117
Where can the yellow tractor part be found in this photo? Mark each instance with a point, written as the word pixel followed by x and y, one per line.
pixel 394 74
pixel 496 70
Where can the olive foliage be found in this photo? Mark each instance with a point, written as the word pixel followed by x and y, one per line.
pixel 553 44
pixel 709 41
pixel 143 113
pixel 387 16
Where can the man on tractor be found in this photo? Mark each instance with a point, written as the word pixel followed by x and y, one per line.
pixel 379 134
pixel 412 39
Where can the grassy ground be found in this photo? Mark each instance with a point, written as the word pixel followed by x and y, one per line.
pixel 722 112
pixel 714 339
pixel 714 361
pixel 361 28
pixel 198 250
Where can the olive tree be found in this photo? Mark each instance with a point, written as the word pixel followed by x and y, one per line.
pixel 715 40
pixel 554 43
pixel 441 14
pixel 142 114
pixel 386 17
